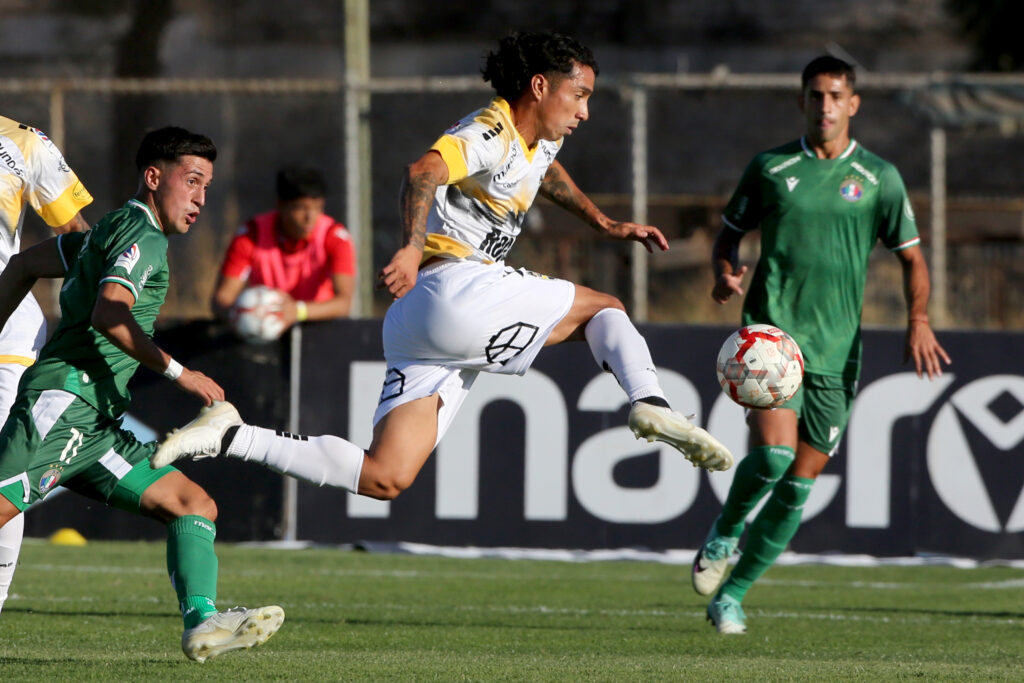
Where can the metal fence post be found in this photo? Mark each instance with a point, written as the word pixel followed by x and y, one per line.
pixel 637 96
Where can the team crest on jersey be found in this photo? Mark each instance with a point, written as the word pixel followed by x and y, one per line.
pixel 128 258
pixel 851 190
pixel 48 480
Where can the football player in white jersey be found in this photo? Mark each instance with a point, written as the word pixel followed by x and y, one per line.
pixel 458 309
pixel 32 173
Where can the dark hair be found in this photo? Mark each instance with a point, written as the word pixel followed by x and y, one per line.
pixel 521 56
pixel 172 143
pixel 294 182
pixel 831 66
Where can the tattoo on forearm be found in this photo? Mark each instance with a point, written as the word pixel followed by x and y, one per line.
pixel 557 187
pixel 417 198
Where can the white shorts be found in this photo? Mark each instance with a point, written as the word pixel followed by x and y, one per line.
pixel 461 318
pixel 24 334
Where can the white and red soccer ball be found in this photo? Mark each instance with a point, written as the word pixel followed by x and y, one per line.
pixel 258 314
pixel 760 366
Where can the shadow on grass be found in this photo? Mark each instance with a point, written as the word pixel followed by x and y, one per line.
pixel 962 614
pixel 90 613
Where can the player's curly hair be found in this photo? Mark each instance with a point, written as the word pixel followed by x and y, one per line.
pixel 520 56
pixel 171 143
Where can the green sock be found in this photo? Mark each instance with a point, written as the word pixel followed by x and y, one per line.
pixel 755 476
pixel 771 532
pixel 192 566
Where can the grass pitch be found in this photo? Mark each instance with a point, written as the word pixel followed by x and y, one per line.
pixel 106 611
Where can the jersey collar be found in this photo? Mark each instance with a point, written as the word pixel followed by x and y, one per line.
pixel 810 152
pixel 502 105
pixel 146 210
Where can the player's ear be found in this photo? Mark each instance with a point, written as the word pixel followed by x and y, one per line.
pixel 854 104
pixel 538 84
pixel 151 177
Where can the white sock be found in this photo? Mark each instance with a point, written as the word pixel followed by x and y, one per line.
pixel 619 349
pixel 10 546
pixel 321 460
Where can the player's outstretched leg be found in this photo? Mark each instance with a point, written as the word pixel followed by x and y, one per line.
pixel 219 431
pixel 232 629
pixel 621 350
pixel 200 438
pixel 658 423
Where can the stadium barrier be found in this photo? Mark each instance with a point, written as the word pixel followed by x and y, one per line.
pixel 546 461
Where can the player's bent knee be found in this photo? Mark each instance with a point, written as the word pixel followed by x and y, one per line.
pixel 386 485
pixel 203 506
pixel 177 496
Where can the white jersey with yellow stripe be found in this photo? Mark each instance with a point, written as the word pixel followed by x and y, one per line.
pixel 493 178
pixel 32 173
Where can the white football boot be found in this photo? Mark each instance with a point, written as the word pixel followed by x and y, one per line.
pixel 232 629
pixel 727 616
pixel 656 423
pixel 711 560
pixel 200 438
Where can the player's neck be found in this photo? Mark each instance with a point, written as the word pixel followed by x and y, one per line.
pixel 524 117
pixel 828 149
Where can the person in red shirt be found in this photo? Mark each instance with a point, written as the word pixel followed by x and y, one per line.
pixel 297 249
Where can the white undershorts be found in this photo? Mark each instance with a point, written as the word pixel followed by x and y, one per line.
pixel 461 318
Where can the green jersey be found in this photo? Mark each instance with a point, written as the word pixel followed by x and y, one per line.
pixel 126 247
pixel 819 220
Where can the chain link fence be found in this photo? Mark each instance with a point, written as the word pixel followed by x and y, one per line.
pixel 664 149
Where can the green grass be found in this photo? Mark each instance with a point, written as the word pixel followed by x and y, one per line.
pixel 106 611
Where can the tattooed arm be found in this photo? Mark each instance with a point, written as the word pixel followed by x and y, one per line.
pixel 560 188
pixel 422 178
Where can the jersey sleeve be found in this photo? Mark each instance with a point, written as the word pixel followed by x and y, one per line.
pixel 133 258
pixel 341 255
pixel 743 212
pixel 896 225
pixel 238 259
pixel 53 191
pixel 469 149
pixel 69 246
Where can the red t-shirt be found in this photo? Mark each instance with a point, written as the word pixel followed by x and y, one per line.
pixel 260 254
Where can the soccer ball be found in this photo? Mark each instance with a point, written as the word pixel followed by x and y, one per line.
pixel 760 366
pixel 258 314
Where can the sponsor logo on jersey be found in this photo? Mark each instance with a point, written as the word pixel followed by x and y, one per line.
pixel 49 480
pixel 493 132
pixel 784 165
pixel 8 160
pixel 128 258
pixel 908 210
pixel 851 190
pixel 80 193
pixel 865 172
pixel 791 182
pixel 507 166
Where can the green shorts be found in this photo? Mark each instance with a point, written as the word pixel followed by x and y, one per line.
pixel 55 438
pixel 823 405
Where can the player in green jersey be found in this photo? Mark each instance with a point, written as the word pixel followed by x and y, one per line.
pixel 821 203
pixel 65 424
